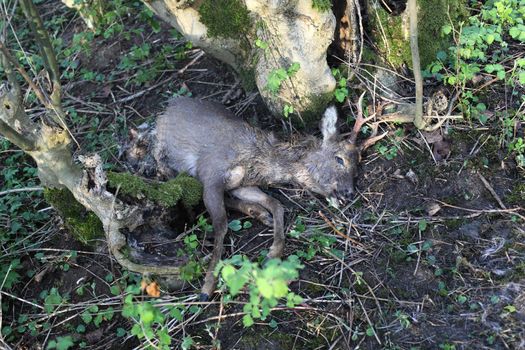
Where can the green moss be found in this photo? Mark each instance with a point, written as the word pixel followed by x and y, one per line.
pixel 322 5
pixel 83 225
pixel 167 194
pixel 433 15
pixel 225 18
pixel 317 106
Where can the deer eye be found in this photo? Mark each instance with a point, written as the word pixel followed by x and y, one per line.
pixel 340 160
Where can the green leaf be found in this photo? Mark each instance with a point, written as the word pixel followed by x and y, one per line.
pixel 422 225
pixel 273 324
pixel 447 29
pixel 500 74
pixel 412 248
pixel 147 315
pixel 121 332
pixel 235 225
pixel 280 288
pixel 426 245
pixel 227 272
pixel 521 77
pixel 86 317
pixel 489 38
pixel 115 290
pixel 247 320
pixel 265 288
pixel 261 44
pixel 510 308
pixel 514 32
pixel 461 299
pixel 370 331
pixel 64 343
pixel 294 68
pixel 247 225
pixel 187 342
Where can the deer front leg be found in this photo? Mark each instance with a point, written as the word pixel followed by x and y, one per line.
pixel 255 195
pixel 214 201
pixel 254 210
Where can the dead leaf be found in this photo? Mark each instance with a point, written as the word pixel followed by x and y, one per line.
pixel 433 208
pixel 397 174
pixel 153 290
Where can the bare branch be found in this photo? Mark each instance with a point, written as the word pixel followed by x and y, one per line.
pixel 7 57
pixel 15 125
pixel 416 64
pixel 48 55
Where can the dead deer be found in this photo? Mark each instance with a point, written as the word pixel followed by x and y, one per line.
pixel 228 155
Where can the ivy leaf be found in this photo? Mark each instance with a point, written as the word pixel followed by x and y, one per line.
pixel 235 225
pixel 411 248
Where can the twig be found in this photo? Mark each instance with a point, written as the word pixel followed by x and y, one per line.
pixel 491 190
pixel 487 211
pixel 191 63
pixel 332 226
pixel 25 189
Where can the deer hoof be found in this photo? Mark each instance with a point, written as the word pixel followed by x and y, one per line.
pixel 266 219
pixel 204 297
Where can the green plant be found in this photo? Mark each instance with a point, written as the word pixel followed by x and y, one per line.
pixel 341 91
pixel 265 285
pixel 403 319
pixel 61 343
pixel 277 76
pixel 482 50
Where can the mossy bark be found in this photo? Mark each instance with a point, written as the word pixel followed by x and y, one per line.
pixel 390 32
pixel 85 226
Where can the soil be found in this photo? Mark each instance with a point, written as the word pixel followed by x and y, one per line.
pixel 438 264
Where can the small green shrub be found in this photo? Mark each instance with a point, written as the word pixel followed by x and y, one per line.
pixel 265 285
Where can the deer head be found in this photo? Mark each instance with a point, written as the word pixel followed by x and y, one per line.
pixel 333 165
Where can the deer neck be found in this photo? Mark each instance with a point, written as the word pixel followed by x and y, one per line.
pixel 288 163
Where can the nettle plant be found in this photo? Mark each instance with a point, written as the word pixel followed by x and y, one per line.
pixel 266 286
pixel 484 51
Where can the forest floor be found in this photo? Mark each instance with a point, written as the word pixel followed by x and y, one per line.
pixel 430 254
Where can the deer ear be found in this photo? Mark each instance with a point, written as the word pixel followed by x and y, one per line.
pixel 329 125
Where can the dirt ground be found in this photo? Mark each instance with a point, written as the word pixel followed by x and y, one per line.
pixel 430 255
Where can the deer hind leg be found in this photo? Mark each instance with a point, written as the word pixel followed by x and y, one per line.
pixel 253 210
pixel 214 201
pixel 255 195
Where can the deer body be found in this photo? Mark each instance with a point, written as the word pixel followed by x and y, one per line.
pixel 226 154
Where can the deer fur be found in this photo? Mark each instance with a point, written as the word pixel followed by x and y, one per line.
pixel 228 155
